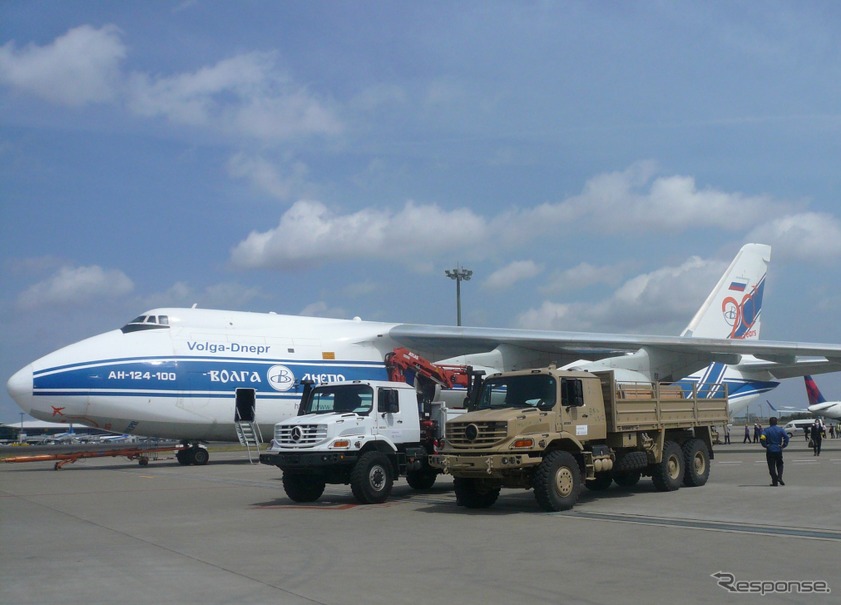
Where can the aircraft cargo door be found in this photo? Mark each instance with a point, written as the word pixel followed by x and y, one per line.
pixel 246 402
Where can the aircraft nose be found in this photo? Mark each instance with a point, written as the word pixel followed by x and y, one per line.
pixel 20 388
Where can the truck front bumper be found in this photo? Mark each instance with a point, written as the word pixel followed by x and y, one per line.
pixel 292 461
pixel 482 465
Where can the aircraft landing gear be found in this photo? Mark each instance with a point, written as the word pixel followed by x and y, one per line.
pixel 192 454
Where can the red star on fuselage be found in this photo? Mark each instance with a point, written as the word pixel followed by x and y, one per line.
pixel 57 411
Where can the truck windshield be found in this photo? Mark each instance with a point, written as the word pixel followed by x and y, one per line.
pixel 340 399
pixel 530 391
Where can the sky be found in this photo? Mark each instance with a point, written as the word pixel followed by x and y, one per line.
pixel 595 164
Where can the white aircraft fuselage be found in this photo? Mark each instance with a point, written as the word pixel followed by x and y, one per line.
pixel 179 379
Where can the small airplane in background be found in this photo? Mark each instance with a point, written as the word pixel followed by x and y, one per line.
pixel 195 374
pixel 818 404
pixel 787 409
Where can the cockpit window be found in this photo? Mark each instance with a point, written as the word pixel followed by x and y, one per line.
pixel 146 322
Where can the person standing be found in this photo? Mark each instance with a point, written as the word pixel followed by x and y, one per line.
pixel 816 438
pixel 747 435
pixel 727 434
pixel 774 440
pixel 757 432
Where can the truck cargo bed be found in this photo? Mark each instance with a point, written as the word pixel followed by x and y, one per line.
pixel 652 406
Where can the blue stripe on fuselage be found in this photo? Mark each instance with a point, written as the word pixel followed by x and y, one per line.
pixel 202 376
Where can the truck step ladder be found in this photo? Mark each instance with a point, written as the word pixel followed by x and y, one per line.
pixel 249 436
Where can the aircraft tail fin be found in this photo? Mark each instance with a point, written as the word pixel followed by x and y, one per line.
pixel 812 390
pixel 732 310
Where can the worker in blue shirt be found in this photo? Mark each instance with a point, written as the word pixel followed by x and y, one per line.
pixel 774 440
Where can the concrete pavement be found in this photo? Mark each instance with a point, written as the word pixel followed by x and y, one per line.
pixel 110 531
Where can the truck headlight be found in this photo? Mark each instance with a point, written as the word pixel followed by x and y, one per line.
pixel 340 444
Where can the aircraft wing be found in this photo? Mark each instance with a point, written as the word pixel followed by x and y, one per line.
pixel 795 369
pixel 776 357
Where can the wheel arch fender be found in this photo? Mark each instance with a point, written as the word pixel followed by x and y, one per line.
pixel 567 443
pixel 385 446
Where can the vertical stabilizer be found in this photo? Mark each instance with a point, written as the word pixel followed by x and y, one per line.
pixel 732 310
pixel 813 392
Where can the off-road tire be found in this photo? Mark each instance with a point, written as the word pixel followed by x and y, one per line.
pixel 667 475
pixel 696 457
pixel 302 488
pixel 370 479
pixel 632 461
pixel 421 480
pixel 474 493
pixel 557 482
pixel 627 478
pixel 600 483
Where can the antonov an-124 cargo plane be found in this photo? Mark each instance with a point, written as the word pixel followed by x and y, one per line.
pixel 183 373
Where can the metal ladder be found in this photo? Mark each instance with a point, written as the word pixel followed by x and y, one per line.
pixel 249 436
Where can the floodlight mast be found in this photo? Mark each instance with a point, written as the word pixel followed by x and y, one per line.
pixel 459 274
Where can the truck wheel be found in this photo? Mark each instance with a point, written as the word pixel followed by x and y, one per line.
pixel 421 479
pixel 697 460
pixel 632 461
pixel 370 479
pixel 600 483
pixel 627 478
pixel 557 481
pixel 474 493
pixel 668 474
pixel 302 488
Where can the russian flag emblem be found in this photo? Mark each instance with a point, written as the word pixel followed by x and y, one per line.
pixel 738 286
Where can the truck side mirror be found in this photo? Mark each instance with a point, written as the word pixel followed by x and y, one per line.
pixel 387 402
pixel 308 387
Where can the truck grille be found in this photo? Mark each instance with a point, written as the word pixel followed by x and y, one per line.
pixel 300 435
pixel 476 434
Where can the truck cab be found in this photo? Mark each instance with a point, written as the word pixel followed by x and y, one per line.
pixel 345 416
pixel 362 433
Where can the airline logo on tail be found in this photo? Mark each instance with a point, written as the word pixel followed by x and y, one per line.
pixel 812 390
pixel 742 313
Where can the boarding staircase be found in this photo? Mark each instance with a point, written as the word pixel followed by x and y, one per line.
pixel 250 437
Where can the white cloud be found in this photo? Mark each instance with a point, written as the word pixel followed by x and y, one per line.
pixel 310 233
pixel 631 202
pixel 80 67
pixel 321 309
pixel 808 236
pixel 224 295
pixel 245 94
pixel 267 176
pixel 76 285
pixel 582 276
pixel 660 302
pixel 635 199
pixel 512 273
pixel 549 316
